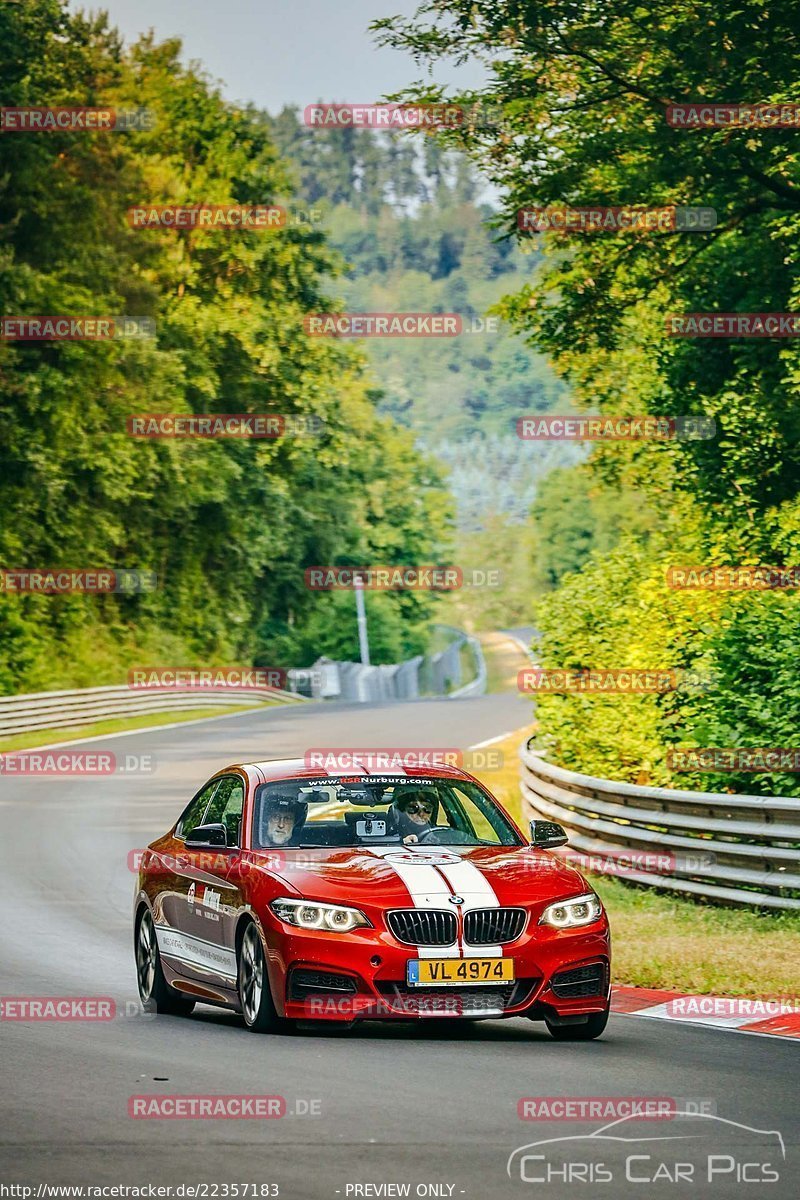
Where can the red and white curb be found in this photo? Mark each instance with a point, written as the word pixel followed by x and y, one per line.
pixel 776 1016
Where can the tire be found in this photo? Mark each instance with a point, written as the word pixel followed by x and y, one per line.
pixel 585 1032
pixel 255 997
pixel 154 992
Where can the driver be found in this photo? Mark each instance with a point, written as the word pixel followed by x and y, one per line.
pixel 415 814
pixel 283 816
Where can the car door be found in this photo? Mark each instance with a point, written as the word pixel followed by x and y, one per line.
pixel 188 909
pixel 169 866
pixel 221 901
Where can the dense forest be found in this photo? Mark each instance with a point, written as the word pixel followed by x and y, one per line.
pixel 583 95
pixel 227 526
pixel 418 460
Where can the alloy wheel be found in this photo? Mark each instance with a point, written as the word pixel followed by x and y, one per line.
pixel 252 974
pixel 146 956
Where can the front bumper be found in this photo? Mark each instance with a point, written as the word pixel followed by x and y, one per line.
pixel 362 975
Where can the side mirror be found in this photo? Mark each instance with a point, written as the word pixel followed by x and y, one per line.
pixel 207 835
pixel 546 834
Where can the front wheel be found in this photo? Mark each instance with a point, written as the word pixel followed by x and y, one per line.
pixel 154 992
pixel 585 1032
pixel 255 998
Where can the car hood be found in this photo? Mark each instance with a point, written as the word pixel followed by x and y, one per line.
pixel 389 876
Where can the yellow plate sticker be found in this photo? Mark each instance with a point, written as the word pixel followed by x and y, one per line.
pixel 436 972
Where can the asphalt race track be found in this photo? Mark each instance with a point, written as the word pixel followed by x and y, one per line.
pixel 433 1105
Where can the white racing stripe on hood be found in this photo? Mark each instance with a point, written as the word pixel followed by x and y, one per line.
pixel 426 888
pixel 469 882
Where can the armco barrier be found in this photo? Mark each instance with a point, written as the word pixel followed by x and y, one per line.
pixel 439 674
pixel 477 686
pixel 732 848
pixel 84 706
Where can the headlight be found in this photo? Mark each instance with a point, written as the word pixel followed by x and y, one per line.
pixel 580 910
pixel 307 914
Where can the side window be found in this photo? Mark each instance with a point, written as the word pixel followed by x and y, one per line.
pixel 226 807
pixel 471 818
pixel 192 816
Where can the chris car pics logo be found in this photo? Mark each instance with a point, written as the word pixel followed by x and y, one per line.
pixel 704 1153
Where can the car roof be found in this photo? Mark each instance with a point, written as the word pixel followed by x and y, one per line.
pixel 297 768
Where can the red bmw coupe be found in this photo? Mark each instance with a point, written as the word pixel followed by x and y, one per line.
pixel 288 894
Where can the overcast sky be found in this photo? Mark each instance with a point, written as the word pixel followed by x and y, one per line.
pixel 277 52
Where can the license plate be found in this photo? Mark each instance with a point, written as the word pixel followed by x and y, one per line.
pixel 439 972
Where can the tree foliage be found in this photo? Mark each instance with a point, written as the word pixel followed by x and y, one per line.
pixel 577 97
pixel 582 92
pixel 228 526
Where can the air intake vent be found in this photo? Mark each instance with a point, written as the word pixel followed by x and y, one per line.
pixel 423 926
pixel 304 983
pixel 491 926
pixel 581 981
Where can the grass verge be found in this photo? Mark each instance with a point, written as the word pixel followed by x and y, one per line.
pixel 664 941
pixel 44 737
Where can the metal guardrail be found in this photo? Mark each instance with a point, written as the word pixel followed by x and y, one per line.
pixel 84 706
pixel 476 686
pixel 732 848
pixel 439 674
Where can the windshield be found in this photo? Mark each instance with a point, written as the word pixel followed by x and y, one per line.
pixel 379 811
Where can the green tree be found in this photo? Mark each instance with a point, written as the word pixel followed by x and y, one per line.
pixel 582 95
pixel 229 526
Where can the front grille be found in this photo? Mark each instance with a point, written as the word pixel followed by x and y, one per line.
pixel 456 1002
pixel 581 981
pixel 423 926
pixel 491 926
pixel 306 983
